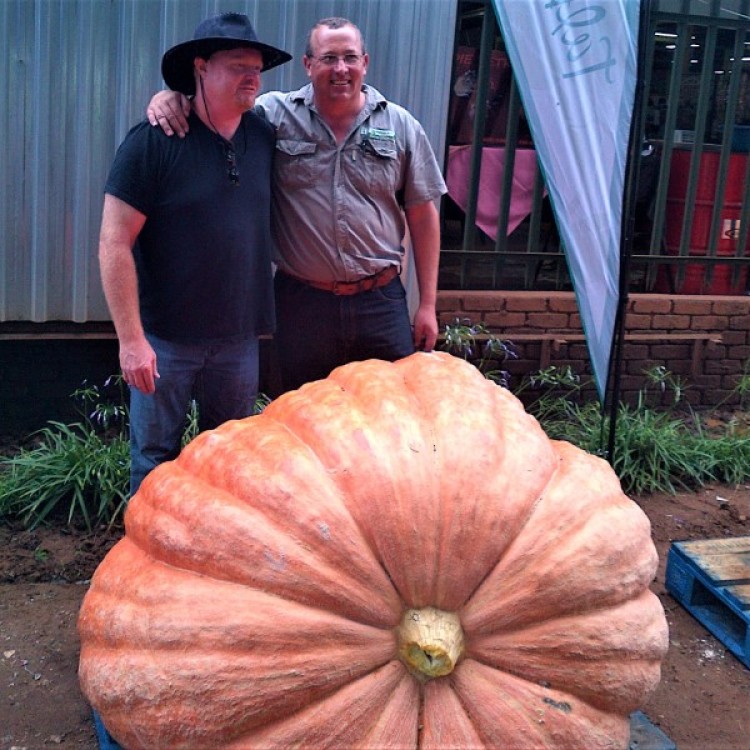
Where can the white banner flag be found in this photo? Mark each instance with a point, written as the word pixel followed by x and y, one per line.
pixel 575 63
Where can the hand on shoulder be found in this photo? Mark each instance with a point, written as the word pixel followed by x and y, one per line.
pixel 169 110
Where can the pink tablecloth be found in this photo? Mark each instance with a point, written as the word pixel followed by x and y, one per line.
pixel 490 183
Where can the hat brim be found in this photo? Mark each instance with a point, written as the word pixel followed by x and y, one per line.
pixel 177 62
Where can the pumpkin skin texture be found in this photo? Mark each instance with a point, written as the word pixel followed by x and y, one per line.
pixel 394 557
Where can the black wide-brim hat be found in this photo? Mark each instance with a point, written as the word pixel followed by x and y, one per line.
pixel 226 31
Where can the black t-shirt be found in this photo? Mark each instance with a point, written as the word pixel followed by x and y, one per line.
pixel 204 254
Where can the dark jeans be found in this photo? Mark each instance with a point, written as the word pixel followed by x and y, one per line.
pixel 317 331
pixel 223 379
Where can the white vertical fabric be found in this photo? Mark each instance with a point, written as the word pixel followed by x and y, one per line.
pixel 575 63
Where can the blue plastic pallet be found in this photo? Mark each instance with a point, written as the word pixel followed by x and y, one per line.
pixel 643 735
pixel 711 579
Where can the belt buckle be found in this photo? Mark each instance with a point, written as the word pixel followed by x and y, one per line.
pixel 338 287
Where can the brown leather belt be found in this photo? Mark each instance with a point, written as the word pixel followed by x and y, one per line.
pixel 352 287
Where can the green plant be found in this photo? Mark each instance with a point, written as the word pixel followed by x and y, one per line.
pixel 108 406
pixel 79 471
pixel 261 402
pixel 670 387
pixel 475 344
pixel 72 465
pixel 192 420
pixel 655 452
pixel 555 396
pixel 743 386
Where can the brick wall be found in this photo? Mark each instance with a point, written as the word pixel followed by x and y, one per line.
pixel 705 340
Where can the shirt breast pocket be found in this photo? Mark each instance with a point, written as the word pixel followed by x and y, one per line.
pixel 297 164
pixel 379 167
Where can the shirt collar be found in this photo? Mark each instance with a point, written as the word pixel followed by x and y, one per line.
pixel 373 98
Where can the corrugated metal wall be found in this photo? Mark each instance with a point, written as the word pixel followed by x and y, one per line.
pixel 75 75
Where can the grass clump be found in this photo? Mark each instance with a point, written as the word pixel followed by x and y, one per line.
pixel 79 473
pixel 475 344
pixel 71 466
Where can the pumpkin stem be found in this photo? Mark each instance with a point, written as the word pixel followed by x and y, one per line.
pixel 430 642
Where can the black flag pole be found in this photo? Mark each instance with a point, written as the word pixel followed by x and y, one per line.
pixel 635 147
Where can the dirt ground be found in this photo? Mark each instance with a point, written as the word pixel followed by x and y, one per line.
pixel 703 702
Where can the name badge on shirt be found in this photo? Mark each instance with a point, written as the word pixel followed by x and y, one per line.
pixel 377 134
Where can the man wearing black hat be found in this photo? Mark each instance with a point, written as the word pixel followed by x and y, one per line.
pixel 352 173
pixel 185 247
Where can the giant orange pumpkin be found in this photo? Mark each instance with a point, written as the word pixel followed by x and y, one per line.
pixel 394 557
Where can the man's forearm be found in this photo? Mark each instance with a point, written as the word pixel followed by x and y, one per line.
pixel 120 284
pixel 120 227
pixel 424 228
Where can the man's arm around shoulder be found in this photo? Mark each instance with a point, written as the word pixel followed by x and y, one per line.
pixel 170 111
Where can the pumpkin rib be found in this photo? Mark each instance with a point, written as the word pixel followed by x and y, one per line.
pixel 158 605
pixel 509 486
pixel 520 606
pixel 555 555
pixel 445 722
pixel 400 399
pixel 169 608
pixel 510 712
pixel 591 656
pixel 333 420
pixel 340 720
pixel 505 422
pixel 452 524
pixel 397 726
pixel 173 718
pixel 523 520
pixel 226 536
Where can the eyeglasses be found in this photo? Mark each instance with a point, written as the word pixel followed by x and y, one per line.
pixel 330 60
pixel 232 172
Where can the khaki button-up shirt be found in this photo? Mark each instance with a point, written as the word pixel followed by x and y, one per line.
pixel 338 208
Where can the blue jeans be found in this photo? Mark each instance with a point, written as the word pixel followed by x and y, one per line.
pixel 221 377
pixel 316 331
